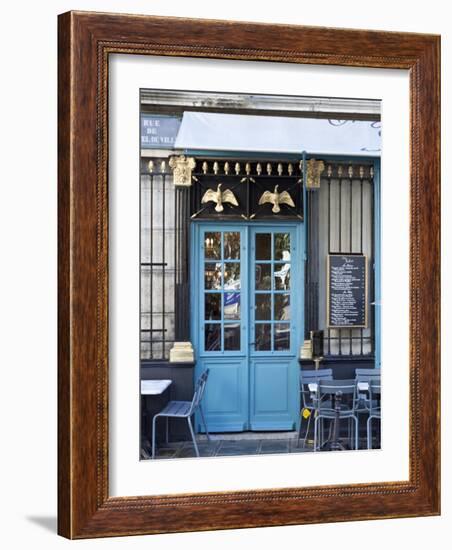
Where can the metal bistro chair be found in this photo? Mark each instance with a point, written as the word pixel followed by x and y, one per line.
pixel 308 398
pixel 365 376
pixel 184 409
pixel 374 408
pixel 328 392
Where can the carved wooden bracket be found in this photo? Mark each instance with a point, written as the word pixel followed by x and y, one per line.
pixel 182 167
pixel 314 169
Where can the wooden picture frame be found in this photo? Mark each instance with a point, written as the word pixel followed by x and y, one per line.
pixel 86 40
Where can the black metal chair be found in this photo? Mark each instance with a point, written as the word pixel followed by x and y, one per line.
pixel 184 409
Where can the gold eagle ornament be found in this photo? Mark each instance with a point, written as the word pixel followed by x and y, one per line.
pixel 276 199
pixel 219 197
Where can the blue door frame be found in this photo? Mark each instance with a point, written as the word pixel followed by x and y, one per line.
pixel 250 343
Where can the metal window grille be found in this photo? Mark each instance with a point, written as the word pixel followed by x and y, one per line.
pixel 346 224
pixel 164 260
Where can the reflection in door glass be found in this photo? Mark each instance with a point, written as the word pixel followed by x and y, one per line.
pixel 232 276
pixel 282 276
pixel 263 246
pixel 212 245
pixel 232 246
pixel 282 336
pixel 263 307
pixel 232 305
pixel 282 246
pixel 212 337
pixel 263 277
pixel 232 337
pixel 282 307
pixel 212 306
pixel 263 337
pixel 212 276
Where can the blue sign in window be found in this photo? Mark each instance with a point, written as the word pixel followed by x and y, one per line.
pixel 158 132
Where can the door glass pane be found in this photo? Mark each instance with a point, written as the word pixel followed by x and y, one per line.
pixel 232 337
pixel 213 306
pixel 282 276
pixel 212 337
pixel 282 336
pixel 263 246
pixel 232 246
pixel 232 305
pixel 263 307
pixel 263 337
pixel 212 245
pixel 282 246
pixel 222 273
pixel 232 276
pixel 282 307
pixel 212 276
pixel 263 277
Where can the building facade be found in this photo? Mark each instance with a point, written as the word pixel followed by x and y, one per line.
pixel 260 253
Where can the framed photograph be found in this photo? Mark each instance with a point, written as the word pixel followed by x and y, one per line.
pixel 248 275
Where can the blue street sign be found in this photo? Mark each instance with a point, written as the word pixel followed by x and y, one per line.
pixel 158 132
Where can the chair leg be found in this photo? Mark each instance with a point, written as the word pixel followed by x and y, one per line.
pixel 356 433
pixel 369 432
pixel 307 431
pixel 167 435
pixel 153 435
pixel 193 436
pixel 316 421
pixel 299 431
pixel 352 433
pixel 204 422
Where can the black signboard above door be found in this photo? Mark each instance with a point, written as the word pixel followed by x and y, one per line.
pixel 241 189
pixel 347 291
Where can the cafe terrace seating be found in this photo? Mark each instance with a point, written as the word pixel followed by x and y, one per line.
pixel 359 396
pixel 336 401
pixel 308 398
pixel 374 403
pixel 184 409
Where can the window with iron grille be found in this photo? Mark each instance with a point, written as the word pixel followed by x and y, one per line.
pixel 345 224
pixel 164 260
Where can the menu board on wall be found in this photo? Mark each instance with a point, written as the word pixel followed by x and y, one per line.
pixel 347 291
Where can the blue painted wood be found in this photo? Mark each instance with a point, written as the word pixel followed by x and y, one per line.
pixel 226 399
pixel 248 388
pixel 274 373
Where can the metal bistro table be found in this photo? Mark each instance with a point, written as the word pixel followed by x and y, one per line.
pixel 152 388
pixel 362 386
pixel 333 443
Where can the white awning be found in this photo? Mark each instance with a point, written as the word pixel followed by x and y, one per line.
pixel 270 134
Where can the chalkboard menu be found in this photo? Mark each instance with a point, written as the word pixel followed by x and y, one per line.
pixel 347 291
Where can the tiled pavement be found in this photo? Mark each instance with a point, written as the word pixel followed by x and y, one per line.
pixel 185 449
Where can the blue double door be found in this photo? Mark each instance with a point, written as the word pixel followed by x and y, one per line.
pixel 247 323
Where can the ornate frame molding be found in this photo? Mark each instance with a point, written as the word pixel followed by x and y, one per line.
pixel 85 42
